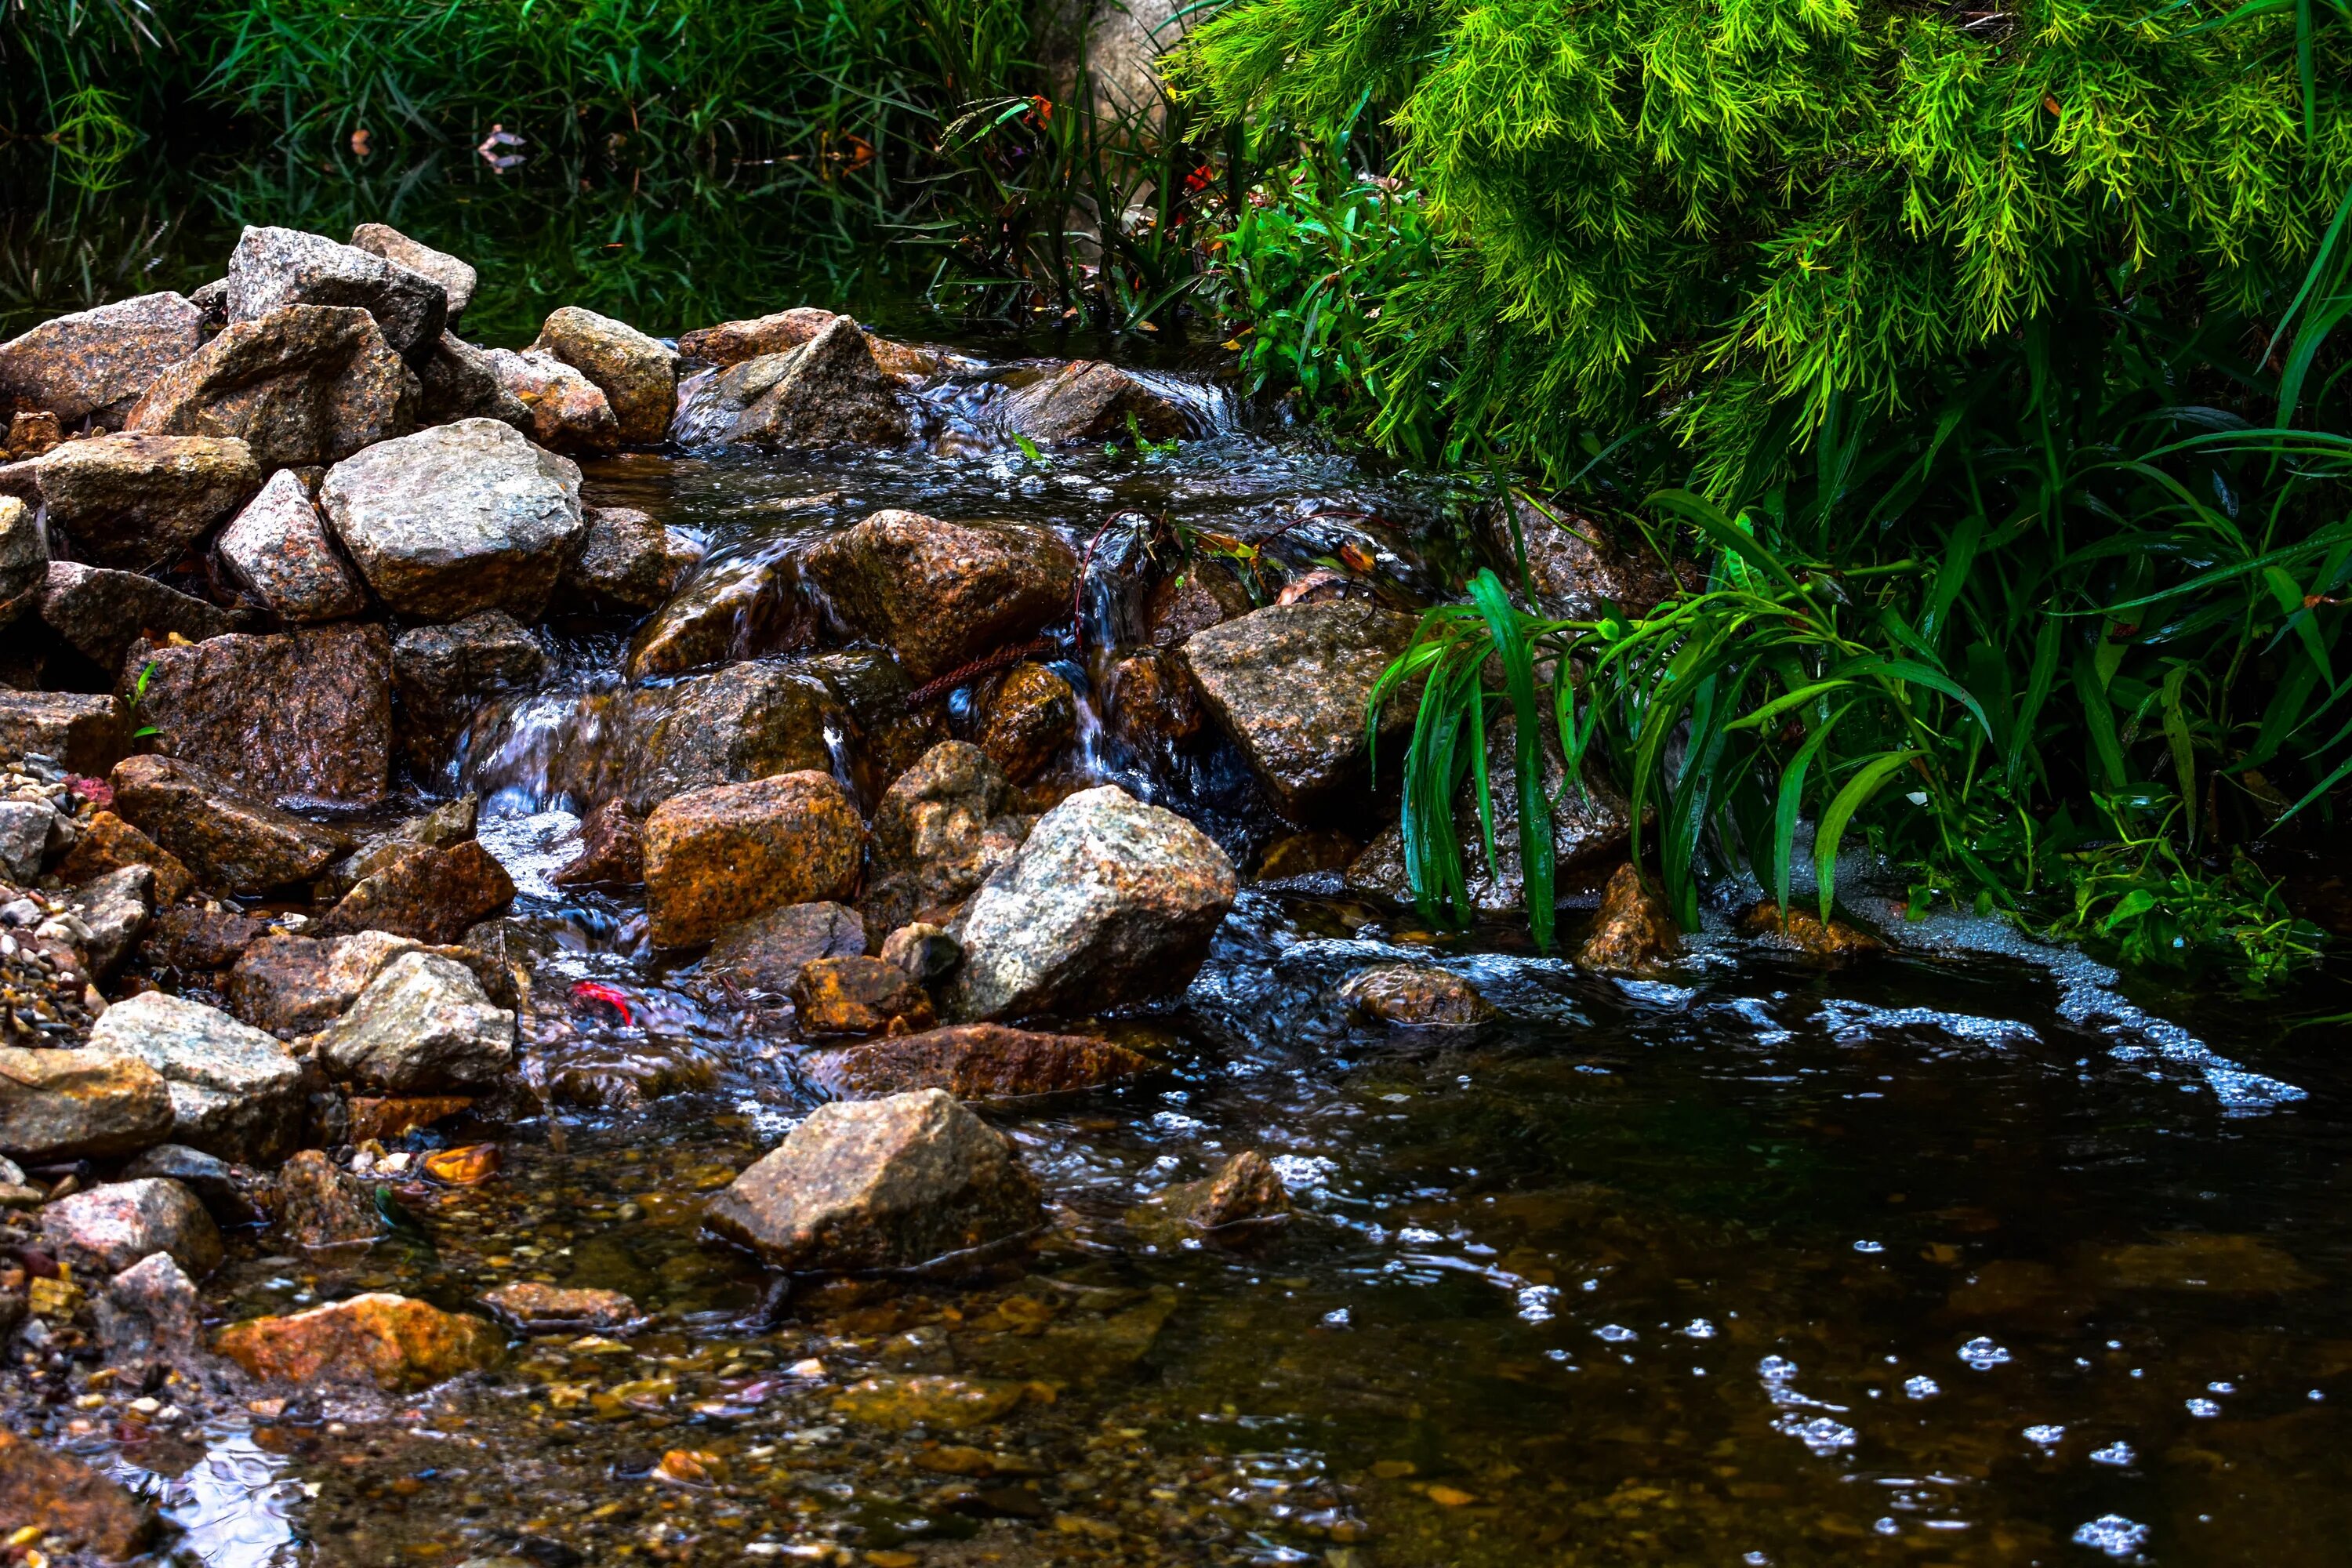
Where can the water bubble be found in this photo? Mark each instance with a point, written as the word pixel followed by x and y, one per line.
pixel 1776 1368
pixel 1983 1354
pixel 1616 1333
pixel 2221 1388
pixel 1535 1303
pixel 1337 1318
pixel 1699 1328
pixel 1869 1247
pixel 1887 1527
pixel 1822 1435
pixel 2204 1408
pixel 1921 1387
pixel 2114 1454
pixel 2113 1535
pixel 2044 1436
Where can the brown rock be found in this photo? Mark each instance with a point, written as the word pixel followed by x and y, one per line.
pixel 112 1226
pixel 102 613
pixel 302 717
pixel 85 733
pixel 193 939
pixel 294 986
pixel 1203 595
pixel 107 843
pixel 940 829
pixel 1634 933
pixel 637 375
pixel 828 392
pixel 889 735
pixel 138 502
pixel 569 413
pixel 1087 401
pixel 69 1501
pixel 1303 854
pixel 79 1104
pixel 729 610
pixel 1154 705
pixel 461 382
pixel 733 343
pixel 456 279
pixel 725 854
pixel 1289 684
pixel 859 995
pixel 882 1183
pixel 978 1061
pixel 230 840
pixel 93 364
pixel 380 1338
pixel 30 434
pixel 747 721
pixel 386 1118
pixel 629 561
pixel 315 1202
pixel 427 894
pixel 1579 572
pixel 1415 994
pixel 303 384
pixel 767 952
pixel 276 549
pixel 942 594
pixel 1031 716
pixel 536 1308
pixel 611 851
pixel 1836 941
pixel 442 674
pixel 1244 1190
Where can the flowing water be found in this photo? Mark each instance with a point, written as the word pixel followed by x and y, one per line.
pixel 1957 1257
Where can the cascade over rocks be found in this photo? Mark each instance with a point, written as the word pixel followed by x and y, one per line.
pixel 111 1226
pixel 457 519
pixel 79 1105
pixel 884 1183
pixel 628 560
pixel 728 610
pixel 942 594
pixel 443 674
pixel 102 613
pixel 725 854
pixel 1288 684
pixel 276 549
pixel 274 268
pixel 637 375
pixel 458 279
pixel 231 840
pixel 568 412
pixel 746 722
pixel 305 384
pixel 236 1092
pixel 1085 401
pixel 302 717
pixel 94 365
pixel 828 392
pixel 137 503
pixel 1109 900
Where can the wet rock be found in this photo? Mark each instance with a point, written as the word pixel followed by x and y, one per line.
pixel 1634 933
pixel 102 613
pixel 456 279
pixel 858 996
pixel 1289 683
pixel 767 952
pixel 443 674
pixel 536 1308
pixel 940 594
pixel 222 1188
pixel 386 1117
pixel 1154 705
pixel 152 1311
pixel 23 558
pixel 427 894
pixel 459 380
pixel 390 1341
pixel 1835 942
pixel 978 1061
pixel 1305 854
pixel 733 343
pixel 725 854
pixel 457 519
pixel 733 609
pixel 278 551
pixel 890 734
pixel 611 851
pixel 137 503
pixel 236 1092
pixel 30 433
pixel 828 392
pixel 1415 994
pixel 69 1501
pixel 273 268
pixel 1031 715
pixel 301 718
pixel 1085 401
pixel 303 384
pixel 315 1202
pixel 1245 1190
pixel 94 363
pixel 1578 572
pixel 637 375
pixel 78 1104
pixel 113 909
pixel 84 731
pixel 26 828
pixel 569 413
pixel 629 562
pixel 422 1025
pixel 1109 900
pixel 940 829
pixel 884 1183
pixel 297 984
pixel 928 1399
pixel 2204 1263
pixel 923 950
pixel 747 721
pixel 112 1226
pixel 1203 595
pixel 193 939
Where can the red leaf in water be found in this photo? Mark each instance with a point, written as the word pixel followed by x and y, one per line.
pixel 595 991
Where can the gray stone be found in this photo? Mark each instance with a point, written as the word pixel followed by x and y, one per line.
pixel 84 731
pixel 457 519
pixel 114 908
pixel 109 1228
pixel 442 674
pixel 297 985
pixel 94 363
pixel 881 1184
pixel 458 280
pixel 941 828
pixel 231 841
pixel 828 392
pixel 23 558
pixel 1086 401
pixel 305 384
pixel 1288 684
pixel 138 502
pixel 78 1104
pixel 637 375
pixel 460 382
pixel 746 722
pixel 274 268
pixel 629 562
pixel 569 413
pixel 277 549
pixel 767 951
pixel 1108 902
pixel 236 1092
pixel 315 1203
pixel 101 612
pixel 152 1312
pixel 422 1025
pixel 222 1188
pixel 25 829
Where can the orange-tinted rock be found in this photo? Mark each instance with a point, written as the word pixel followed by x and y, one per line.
pixel 107 844
pixel 1415 993
pixel 858 996
pixel 302 717
pixel 828 392
pixel 728 610
pixel 314 1203
pixel 135 503
pixel 383 1118
pixel 748 721
pixel 725 854
pixel 193 937
pixel 535 1308
pixel 1836 941
pixel 628 562
pixel 611 851
pixel 1634 933
pixel 380 1338
pixel 93 364
pixel 1154 705
pixel 467 1167
pixel 68 1499
pixel 428 894
pixel 1031 716
pixel 1203 595
pixel 229 840
pixel 569 413
pixel 79 1104
pixel 767 952
pixel 637 375
pixel 979 1061
pixel 1244 1190
pixel 941 827
pixel 940 594
pixel 733 343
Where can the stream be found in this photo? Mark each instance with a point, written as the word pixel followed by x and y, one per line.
pixel 1973 1254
